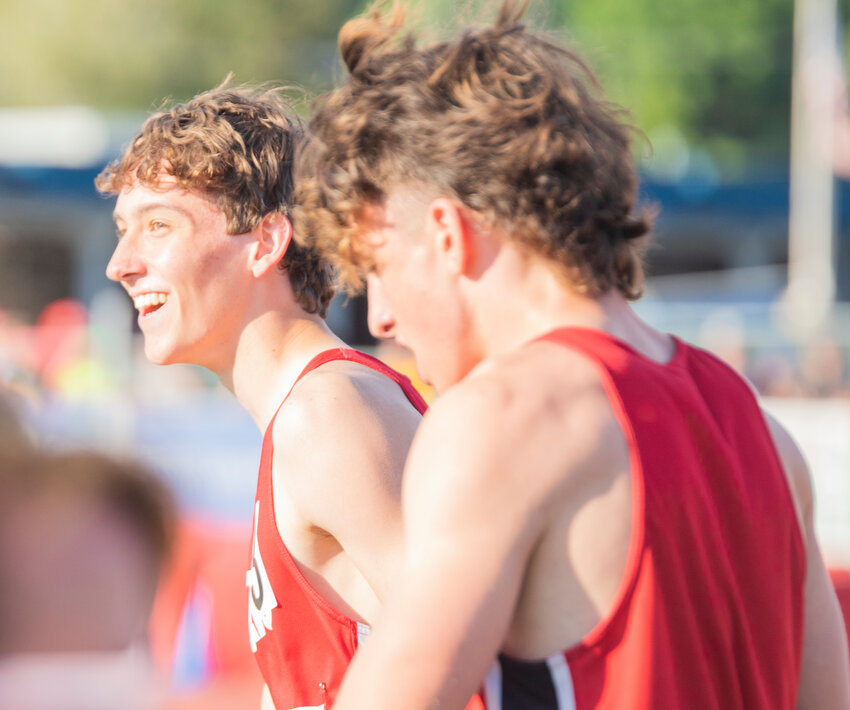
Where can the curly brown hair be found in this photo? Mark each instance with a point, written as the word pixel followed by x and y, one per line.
pixel 237 145
pixel 501 119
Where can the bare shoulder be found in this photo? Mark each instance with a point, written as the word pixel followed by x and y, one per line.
pixel 538 419
pixel 344 429
pixel 343 396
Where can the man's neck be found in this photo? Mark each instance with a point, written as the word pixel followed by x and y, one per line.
pixel 527 297
pixel 272 351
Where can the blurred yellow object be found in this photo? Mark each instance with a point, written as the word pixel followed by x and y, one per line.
pixel 82 379
pixel 401 359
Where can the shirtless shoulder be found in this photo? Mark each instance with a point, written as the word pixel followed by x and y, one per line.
pixel 342 424
pixel 340 442
pixel 542 409
pixel 545 465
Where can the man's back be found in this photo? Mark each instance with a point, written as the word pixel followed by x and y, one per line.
pixel 703 604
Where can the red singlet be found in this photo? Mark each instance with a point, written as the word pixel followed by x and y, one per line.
pixel 709 615
pixel 302 644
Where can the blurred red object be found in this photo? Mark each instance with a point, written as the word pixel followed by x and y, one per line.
pixel 212 558
pixel 61 336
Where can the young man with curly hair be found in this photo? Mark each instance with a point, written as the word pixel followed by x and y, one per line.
pixel 205 250
pixel 597 514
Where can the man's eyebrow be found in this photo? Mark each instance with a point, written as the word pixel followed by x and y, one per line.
pixel 152 206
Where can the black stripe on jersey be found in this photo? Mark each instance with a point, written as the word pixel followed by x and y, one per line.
pixel 527 685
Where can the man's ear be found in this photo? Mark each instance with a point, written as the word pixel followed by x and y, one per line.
pixel 453 235
pixel 272 238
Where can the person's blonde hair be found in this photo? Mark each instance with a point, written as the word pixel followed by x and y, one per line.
pixel 501 119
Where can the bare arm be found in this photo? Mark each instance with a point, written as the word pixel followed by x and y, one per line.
pixel 340 446
pixel 470 529
pixel 825 673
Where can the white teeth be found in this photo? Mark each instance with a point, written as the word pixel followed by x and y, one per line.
pixel 146 300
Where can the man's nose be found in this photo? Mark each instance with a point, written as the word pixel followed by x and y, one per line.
pixel 125 261
pixel 380 319
pixel 381 325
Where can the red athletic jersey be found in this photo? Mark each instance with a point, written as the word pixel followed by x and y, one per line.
pixel 302 644
pixel 709 615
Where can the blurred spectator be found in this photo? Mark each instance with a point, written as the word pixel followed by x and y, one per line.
pixel 62 350
pixel 722 332
pixel 822 371
pixel 13 435
pixel 82 541
pixel 773 376
pixel 17 359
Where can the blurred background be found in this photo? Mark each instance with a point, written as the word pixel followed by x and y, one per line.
pixel 744 151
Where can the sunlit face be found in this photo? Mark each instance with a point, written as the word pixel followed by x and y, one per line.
pixel 185 274
pixel 412 296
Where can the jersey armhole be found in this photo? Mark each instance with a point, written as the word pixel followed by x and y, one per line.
pixel 359 629
pixel 598 634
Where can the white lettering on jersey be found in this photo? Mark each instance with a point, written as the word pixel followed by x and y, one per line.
pixel 261 599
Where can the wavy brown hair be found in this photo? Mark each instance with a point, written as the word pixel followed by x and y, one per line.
pixel 505 121
pixel 237 145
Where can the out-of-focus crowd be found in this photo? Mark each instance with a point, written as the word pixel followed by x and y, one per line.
pixel 112 596
pixel 69 354
pixel 816 369
pixel 84 536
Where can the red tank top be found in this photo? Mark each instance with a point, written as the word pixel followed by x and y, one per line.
pixel 302 644
pixel 709 615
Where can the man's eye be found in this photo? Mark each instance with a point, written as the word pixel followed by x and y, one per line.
pixel 157 225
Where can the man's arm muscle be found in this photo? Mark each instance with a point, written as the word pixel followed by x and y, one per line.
pixel 825 672
pixel 467 544
pixel 340 446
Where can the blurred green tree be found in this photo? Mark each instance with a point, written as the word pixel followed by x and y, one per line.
pixel 130 54
pixel 709 83
pixel 716 75
pixel 704 80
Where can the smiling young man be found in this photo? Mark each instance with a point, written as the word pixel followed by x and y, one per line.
pixel 597 514
pixel 205 251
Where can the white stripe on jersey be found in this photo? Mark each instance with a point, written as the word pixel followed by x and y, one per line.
pixel 563 681
pixel 493 687
pixel 363 631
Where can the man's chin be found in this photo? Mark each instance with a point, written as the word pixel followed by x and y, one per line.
pixel 446 379
pixel 422 375
pixel 158 357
